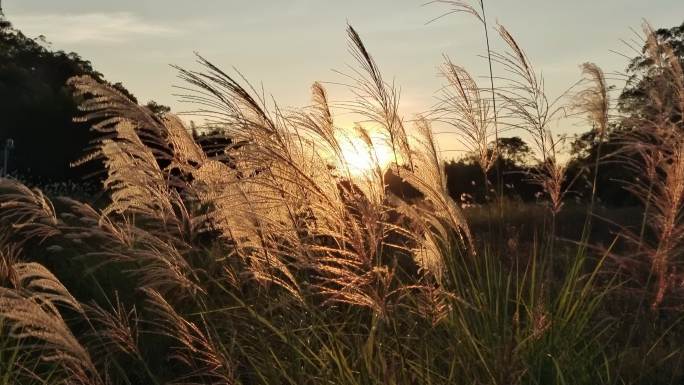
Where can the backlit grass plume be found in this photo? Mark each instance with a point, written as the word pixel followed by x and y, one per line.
pixel 654 146
pixel 296 251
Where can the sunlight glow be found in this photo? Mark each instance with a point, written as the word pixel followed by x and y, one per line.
pixel 360 159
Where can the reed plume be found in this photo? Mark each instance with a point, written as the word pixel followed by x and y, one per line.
pixel 653 145
pixel 30 309
pixel 527 107
pixel 464 108
pixel 269 260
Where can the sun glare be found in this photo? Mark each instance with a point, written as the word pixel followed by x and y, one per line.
pixel 361 159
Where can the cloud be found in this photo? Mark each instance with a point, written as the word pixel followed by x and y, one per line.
pixel 90 28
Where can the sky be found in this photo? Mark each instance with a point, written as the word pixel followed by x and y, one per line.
pixel 284 46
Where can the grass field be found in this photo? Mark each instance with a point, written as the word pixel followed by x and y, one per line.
pixel 305 253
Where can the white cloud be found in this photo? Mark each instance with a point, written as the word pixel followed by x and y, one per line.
pixel 89 28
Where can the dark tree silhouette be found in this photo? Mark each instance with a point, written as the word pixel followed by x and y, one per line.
pixel 38 107
pixel 464 176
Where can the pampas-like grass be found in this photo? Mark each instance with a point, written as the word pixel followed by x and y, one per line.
pixel 29 309
pixel 197 350
pixel 464 108
pixel 528 108
pixel 653 146
pixel 270 261
pixel 285 200
pixel 26 211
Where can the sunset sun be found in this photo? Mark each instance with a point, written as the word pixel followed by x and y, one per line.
pixel 362 159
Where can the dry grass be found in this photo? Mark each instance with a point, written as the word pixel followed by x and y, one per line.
pixel 273 262
pixel 654 146
pixel 283 205
pixel 466 108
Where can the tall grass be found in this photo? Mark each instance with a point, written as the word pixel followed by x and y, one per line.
pixel 653 146
pixel 271 262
